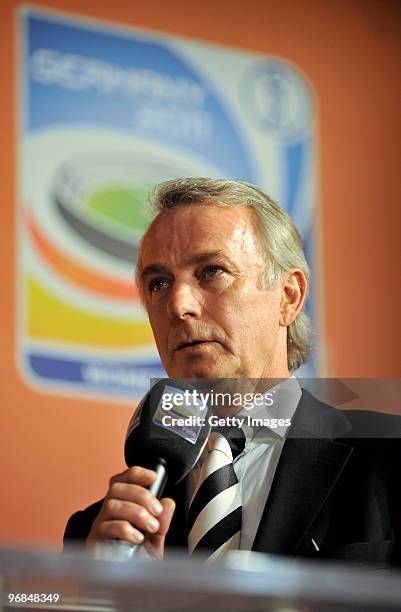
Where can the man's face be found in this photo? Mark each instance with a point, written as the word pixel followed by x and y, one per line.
pixel 202 267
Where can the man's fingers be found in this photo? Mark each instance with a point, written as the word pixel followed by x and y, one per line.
pixel 137 494
pixel 116 530
pixel 131 513
pixel 135 475
pixel 137 515
pixel 154 544
pixel 166 516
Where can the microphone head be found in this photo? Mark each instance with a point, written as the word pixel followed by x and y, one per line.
pixel 171 425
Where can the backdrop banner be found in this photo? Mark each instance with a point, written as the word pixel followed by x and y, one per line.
pixel 105 113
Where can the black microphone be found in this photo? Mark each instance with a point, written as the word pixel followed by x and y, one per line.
pixel 167 434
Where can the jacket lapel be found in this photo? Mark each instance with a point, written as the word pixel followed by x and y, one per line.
pixel 309 466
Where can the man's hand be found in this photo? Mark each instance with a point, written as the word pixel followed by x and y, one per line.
pixel 130 512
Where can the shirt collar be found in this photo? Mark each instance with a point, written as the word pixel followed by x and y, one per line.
pixel 281 402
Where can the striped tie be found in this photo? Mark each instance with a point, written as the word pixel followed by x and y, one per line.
pixel 214 515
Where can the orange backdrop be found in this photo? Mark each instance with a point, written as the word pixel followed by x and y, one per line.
pixel 58 453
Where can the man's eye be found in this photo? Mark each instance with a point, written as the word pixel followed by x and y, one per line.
pixel 212 271
pixel 157 284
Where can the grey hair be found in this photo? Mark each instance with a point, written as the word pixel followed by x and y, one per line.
pixel 278 236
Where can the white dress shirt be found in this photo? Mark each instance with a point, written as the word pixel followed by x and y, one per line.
pixel 256 465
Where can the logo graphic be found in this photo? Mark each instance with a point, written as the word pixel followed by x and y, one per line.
pixel 105 115
pixel 278 100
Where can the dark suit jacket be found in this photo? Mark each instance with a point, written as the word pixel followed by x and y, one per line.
pixel 337 488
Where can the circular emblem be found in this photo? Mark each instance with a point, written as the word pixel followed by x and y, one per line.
pixel 278 99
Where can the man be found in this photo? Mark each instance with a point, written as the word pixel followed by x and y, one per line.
pixel 223 277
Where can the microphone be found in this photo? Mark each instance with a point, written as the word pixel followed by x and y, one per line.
pixel 167 434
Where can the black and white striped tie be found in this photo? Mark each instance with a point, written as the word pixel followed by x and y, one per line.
pixel 214 516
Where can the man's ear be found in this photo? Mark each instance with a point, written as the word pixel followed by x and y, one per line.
pixel 293 296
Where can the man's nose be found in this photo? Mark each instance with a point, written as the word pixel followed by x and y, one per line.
pixel 184 301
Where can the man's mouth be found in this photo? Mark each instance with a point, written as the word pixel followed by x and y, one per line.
pixel 192 344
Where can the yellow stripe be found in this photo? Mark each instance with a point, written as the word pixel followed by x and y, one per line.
pixel 50 318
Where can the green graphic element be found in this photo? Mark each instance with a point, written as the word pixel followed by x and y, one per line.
pixel 122 204
pixel 181 411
